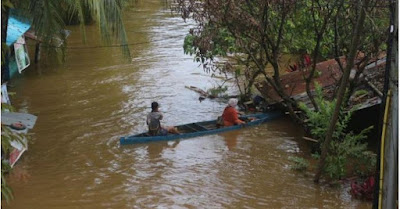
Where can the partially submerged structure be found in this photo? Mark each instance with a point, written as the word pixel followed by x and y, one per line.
pixel 327 76
pixel 19 123
pixel 366 100
pixel 18 57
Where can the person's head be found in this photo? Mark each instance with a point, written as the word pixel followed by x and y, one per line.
pixel 154 106
pixel 232 102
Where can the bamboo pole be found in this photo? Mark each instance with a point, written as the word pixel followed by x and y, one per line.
pixel 385 119
pixel 37 52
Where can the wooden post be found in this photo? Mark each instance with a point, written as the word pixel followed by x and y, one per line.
pixel 5 74
pixel 37 52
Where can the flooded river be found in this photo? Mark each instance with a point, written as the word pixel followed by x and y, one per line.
pixel 75 160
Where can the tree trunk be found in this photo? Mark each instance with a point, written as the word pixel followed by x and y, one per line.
pixel 311 75
pixel 342 90
pixel 4 23
pixel 291 104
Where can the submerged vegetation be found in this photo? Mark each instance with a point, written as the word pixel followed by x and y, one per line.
pixel 218 91
pixel 299 163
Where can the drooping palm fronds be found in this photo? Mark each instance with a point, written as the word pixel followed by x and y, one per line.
pixel 49 25
pixel 48 20
pixel 110 21
pixel 6 192
pixel 77 8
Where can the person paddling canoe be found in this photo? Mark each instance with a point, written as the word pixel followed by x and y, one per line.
pixel 154 124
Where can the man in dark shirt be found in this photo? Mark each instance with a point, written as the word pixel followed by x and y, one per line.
pixel 154 124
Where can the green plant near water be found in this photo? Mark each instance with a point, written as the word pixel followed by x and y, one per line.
pixel 299 163
pixel 360 92
pixel 217 91
pixel 7 136
pixel 6 192
pixel 347 148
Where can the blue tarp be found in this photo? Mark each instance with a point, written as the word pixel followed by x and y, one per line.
pixel 15 29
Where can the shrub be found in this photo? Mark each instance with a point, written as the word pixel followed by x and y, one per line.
pixel 217 91
pixel 346 148
pixel 300 164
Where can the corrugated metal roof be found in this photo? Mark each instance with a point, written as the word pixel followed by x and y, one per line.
pixel 294 83
pixel 15 29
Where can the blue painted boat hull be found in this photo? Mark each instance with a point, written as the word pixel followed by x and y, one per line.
pixel 199 129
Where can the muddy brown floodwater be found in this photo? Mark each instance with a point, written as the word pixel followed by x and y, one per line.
pixel 75 160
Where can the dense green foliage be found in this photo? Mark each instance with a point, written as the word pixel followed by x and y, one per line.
pixel 255 34
pixel 211 43
pixel 346 148
pixel 304 19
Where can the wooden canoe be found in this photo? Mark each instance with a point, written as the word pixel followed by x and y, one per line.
pixel 200 129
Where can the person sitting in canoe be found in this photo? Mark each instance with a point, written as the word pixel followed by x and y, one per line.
pixel 154 124
pixel 230 115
